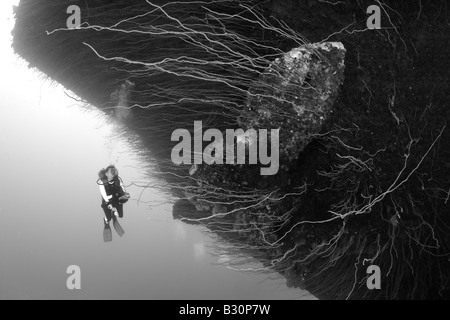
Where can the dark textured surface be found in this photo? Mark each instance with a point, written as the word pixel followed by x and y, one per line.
pixel 381 154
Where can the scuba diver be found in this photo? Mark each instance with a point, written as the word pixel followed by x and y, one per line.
pixel 114 196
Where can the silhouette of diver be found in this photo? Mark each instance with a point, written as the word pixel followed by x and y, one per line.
pixel 114 196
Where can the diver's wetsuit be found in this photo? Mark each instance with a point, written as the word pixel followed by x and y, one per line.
pixel 111 192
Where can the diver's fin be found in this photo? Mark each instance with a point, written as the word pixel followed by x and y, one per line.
pixel 118 227
pixel 107 234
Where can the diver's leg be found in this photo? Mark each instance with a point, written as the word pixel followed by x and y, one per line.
pixel 108 214
pixel 107 234
pixel 120 210
pixel 118 206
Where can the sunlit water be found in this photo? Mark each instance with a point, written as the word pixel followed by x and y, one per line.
pixel 50 152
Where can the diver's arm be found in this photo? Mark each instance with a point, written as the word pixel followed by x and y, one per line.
pixel 104 195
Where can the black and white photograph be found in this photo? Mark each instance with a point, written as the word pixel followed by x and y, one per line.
pixel 225 154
